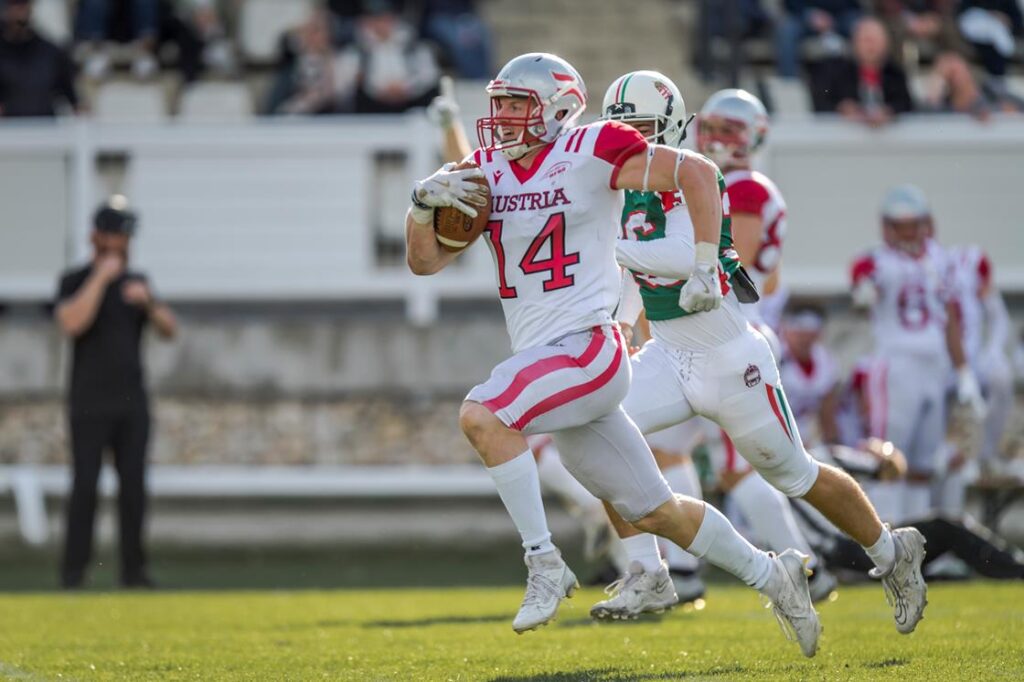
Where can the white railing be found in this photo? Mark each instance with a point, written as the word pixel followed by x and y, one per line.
pixel 294 209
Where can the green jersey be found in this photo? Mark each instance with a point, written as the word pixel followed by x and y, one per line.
pixel 644 219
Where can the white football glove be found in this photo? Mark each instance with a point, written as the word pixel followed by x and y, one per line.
pixel 703 290
pixel 448 187
pixel 968 392
pixel 865 294
pixel 443 109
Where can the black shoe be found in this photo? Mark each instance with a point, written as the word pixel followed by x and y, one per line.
pixel 138 582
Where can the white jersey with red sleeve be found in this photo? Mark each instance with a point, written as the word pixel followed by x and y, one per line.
pixel 807 384
pixel 754 193
pixel 972 275
pixel 909 315
pixel 553 231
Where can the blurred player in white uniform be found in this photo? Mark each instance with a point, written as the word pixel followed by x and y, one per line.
pixel 555 203
pixel 906 283
pixel 711 362
pixel 986 329
pixel 731 129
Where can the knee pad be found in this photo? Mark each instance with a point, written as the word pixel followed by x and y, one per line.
pixel 794 477
pixel 785 464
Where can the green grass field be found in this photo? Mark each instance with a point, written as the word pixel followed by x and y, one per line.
pixel 971 632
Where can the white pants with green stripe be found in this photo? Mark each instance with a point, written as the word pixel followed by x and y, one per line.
pixel 736 385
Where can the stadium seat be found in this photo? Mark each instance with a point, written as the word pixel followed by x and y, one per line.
pixel 127 102
pixel 262 23
pixel 52 19
pixel 216 101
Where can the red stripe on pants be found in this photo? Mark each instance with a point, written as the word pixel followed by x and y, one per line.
pixel 542 368
pixel 574 392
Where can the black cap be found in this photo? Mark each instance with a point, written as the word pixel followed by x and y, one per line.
pixel 113 217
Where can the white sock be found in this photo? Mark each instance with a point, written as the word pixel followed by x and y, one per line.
pixel 718 542
pixel 883 552
pixel 770 516
pixel 519 488
pixel 683 479
pixel 556 478
pixel 644 549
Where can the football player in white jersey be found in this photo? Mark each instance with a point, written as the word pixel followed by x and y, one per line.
pixel 731 129
pixel 714 364
pixel 556 202
pixel 986 327
pixel 906 284
pixel 810 373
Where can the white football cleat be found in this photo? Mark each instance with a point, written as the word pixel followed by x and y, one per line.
pixel 548 583
pixel 790 600
pixel 905 588
pixel 637 592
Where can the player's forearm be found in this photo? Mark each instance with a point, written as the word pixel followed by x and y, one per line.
pixel 423 252
pixel 828 417
pixel 77 314
pixel 671 256
pixel 954 338
pixel 163 320
pixel 456 144
pixel 698 179
pixel 998 322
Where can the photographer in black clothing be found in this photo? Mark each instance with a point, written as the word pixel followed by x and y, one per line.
pixel 104 307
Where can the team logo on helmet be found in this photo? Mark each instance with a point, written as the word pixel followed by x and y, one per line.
pixel 620 108
pixel 752 377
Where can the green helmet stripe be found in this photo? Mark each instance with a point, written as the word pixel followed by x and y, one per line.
pixel 621 94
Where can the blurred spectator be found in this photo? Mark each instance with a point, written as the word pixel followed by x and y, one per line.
pixel 828 20
pixel 103 307
pixel 733 20
pixel 313 76
pixel 206 19
pixel 464 37
pixel 96 23
pixel 36 76
pixel 195 29
pixel 917 24
pixel 397 71
pixel 990 26
pixel 869 87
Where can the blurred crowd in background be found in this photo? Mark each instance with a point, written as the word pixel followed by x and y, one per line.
pixel 868 60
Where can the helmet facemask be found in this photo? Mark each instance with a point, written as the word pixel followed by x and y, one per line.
pixel 728 142
pixel 906 235
pixel 492 130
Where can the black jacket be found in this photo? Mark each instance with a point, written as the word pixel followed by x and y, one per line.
pixel 836 80
pixel 35 74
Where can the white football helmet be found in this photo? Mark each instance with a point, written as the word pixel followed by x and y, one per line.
pixel 557 94
pixel 906 219
pixel 648 96
pixel 731 127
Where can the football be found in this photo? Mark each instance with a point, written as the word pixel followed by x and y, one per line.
pixel 454 229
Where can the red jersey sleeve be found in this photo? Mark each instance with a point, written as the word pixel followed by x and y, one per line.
pixel 748 196
pixel 984 273
pixel 616 143
pixel 862 268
